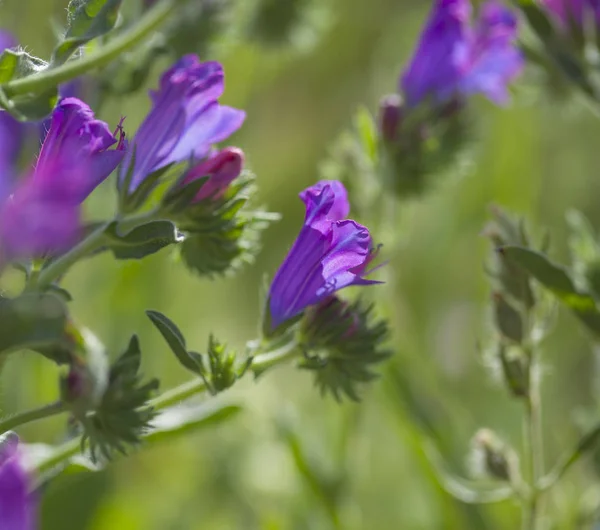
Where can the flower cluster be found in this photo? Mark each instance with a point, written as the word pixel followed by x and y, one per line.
pixel 425 126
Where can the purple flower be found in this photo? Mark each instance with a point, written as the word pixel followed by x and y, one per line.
pixel 221 168
pixel 185 121
pixel 17 504
pixel 455 59
pixel 74 132
pixel 41 214
pixel 330 253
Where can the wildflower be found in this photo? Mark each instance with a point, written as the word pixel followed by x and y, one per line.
pixel 455 59
pixel 75 132
pixel 17 504
pixel 330 253
pixel 185 121
pixel 221 169
pixel 41 214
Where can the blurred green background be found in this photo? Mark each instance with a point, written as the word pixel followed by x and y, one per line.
pixel 292 460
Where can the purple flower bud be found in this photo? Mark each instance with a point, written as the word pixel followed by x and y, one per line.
pixel 390 114
pixel 74 131
pixel 454 58
pixel 17 504
pixel 221 168
pixel 185 121
pixel 330 253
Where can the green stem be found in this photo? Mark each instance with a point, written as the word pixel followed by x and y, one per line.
pixel 28 416
pixel 533 449
pixel 94 241
pixel 170 398
pixel 52 77
pixel 58 267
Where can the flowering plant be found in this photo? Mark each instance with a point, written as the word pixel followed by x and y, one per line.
pixel 183 190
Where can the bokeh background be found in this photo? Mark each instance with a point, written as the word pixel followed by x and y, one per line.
pixel 290 459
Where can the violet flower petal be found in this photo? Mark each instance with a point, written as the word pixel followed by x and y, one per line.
pixel 17 504
pixel 328 255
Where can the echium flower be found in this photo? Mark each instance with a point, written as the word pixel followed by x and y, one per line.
pixel 17 503
pixel 455 59
pixel 40 214
pixel 330 253
pixel 75 132
pixel 185 122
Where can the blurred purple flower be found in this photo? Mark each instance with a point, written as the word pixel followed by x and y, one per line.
pixel 12 132
pixel 221 168
pixel 330 253
pixel 17 504
pixel 571 12
pixel 185 121
pixel 455 59
pixel 42 213
pixel 74 132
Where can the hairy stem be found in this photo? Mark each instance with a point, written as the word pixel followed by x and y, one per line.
pixel 21 418
pixel 52 77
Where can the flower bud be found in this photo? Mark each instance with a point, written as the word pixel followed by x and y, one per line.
pixel 221 169
pixel 514 371
pixel 491 457
pixel 390 114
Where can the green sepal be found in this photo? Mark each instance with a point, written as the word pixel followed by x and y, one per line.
pixel 179 197
pixel 142 240
pixel 557 280
pixel 222 234
pixel 87 20
pixel 341 343
pixel 122 416
pixel 131 201
pixel 34 321
pixel 16 64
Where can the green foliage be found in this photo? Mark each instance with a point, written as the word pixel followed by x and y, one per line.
pixel 142 240
pixel 557 280
pixel 218 368
pixel 87 20
pixel 16 65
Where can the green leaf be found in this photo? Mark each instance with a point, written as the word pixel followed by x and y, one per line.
pixel 142 240
pixel 32 321
pixel 557 280
pixel 16 64
pixel 184 420
pixel 88 19
pixel 175 340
